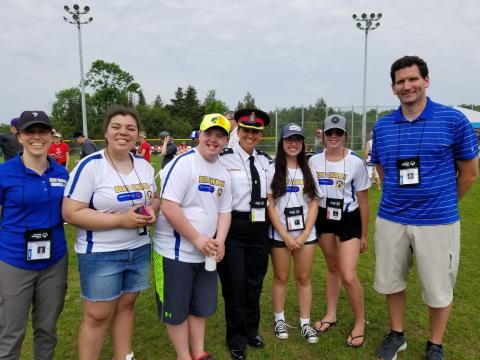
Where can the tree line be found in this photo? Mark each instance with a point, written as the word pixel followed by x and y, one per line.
pixel 107 84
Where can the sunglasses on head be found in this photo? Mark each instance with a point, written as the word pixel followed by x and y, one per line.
pixel 330 132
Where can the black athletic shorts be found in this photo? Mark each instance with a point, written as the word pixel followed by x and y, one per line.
pixel 348 227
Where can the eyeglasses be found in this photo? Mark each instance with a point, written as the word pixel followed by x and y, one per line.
pixel 31 132
pixel 330 132
pixel 291 140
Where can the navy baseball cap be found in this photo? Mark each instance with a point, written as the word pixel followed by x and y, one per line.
pixel 29 118
pixel 292 129
pixel 14 122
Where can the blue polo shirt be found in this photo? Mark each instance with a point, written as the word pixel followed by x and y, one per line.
pixel 30 201
pixel 439 136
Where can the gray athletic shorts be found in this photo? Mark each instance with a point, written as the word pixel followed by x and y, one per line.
pixel 183 289
pixel 436 250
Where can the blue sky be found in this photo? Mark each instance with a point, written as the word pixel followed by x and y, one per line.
pixel 284 52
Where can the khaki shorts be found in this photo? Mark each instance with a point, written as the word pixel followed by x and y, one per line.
pixel 436 250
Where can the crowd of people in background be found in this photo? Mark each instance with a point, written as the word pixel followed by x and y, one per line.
pixel 223 209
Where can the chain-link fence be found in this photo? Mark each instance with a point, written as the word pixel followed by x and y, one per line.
pixel 310 118
pixel 311 122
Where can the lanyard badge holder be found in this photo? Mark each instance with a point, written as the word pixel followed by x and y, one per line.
pixel 38 245
pixel 408 171
pixel 258 211
pixel 294 218
pixel 334 209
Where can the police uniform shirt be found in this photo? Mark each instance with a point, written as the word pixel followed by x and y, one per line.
pixel 233 141
pixel 30 201
pixel 203 190
pixel 341 179
pixel 96 182
pixel 237 162
pixel 294 197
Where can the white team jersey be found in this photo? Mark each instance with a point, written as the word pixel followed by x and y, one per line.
pixel 95 182
pixel 341 179
pixel 294 197
pixel 233 141
pixel 203 190
pixel 236 160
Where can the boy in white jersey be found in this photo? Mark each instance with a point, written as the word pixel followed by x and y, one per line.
pixel 196 206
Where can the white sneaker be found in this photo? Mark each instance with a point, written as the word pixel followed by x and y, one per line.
pixel 280 330
pixel 309 333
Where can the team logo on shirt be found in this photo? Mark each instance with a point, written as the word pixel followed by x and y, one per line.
pixel 339 184
pixel 207 184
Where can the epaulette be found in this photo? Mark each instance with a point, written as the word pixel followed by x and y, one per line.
pixel 226 151
pixel 260 152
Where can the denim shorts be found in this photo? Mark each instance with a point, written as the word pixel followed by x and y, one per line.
pixel 105 276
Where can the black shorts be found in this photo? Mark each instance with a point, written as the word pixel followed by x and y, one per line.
pixel 280 244
pixel 348 227
pixel 183 289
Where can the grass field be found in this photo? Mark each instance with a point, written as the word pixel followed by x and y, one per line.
pixel 463 334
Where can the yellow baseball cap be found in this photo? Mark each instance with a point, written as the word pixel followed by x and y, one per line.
pixel 215 120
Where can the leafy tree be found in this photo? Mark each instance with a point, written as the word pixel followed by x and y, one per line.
pixel 185 106
pixel 67 111
pixel 111 86
pixel 213 105
pixel 248 102
pixel 158 102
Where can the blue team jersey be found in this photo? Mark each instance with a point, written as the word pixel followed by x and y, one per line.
pixel 438 137
pixel 30 201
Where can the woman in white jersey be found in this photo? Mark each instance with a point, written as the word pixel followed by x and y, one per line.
pixel 292 209
pixel 342 223
pixel 111 198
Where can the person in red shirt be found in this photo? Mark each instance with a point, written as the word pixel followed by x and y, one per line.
pixel 59 150
pixel 144 150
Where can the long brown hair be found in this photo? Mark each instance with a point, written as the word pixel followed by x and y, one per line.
pixel 279 181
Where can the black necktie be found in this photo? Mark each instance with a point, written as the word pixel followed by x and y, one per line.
pixel 255 179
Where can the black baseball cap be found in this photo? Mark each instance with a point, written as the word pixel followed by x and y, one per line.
pixel 29 118
pixel 77 134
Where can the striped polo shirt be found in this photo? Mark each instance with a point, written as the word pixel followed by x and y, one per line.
pixel 438 137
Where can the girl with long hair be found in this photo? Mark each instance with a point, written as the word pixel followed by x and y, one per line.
pixel 292 209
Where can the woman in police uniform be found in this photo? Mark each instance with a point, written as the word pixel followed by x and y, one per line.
pixel 246 248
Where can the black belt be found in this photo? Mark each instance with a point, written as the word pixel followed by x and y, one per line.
pixel 241 215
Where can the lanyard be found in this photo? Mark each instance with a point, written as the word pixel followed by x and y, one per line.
pixel 248 176
pixel 344 173
pixel 400 136
pixel 124 185
pixel 23 197
pixel 292 184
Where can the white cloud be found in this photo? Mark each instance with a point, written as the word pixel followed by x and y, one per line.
pixel 284 52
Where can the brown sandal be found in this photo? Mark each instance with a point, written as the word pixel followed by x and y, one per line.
pixel 318 328
pixel 350 339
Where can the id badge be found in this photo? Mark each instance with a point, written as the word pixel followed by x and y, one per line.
pixel 408 171
pixel 258 212
pixel 334 209
pixel 143 231
pixel 38 245
pixel 294 218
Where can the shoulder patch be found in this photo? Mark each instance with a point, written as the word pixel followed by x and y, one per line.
pixel 226 151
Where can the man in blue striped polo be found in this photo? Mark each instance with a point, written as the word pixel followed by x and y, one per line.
pixel 427 157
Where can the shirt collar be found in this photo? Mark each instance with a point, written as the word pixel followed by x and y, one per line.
pixel 426 114
pixel 18 161
pixel 243 154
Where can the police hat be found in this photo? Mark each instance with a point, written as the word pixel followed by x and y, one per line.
pixel 252 118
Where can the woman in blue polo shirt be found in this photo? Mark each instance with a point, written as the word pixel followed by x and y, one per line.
pixel 33 252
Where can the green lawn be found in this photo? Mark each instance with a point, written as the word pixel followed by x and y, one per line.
pixel 463 333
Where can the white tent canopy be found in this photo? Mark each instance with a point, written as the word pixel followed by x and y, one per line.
pixel 472 115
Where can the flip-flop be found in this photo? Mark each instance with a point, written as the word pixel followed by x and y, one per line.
pixel 329 323
pixel 350 338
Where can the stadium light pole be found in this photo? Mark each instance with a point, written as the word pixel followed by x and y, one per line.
pixel 366 23
pixel 75 18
